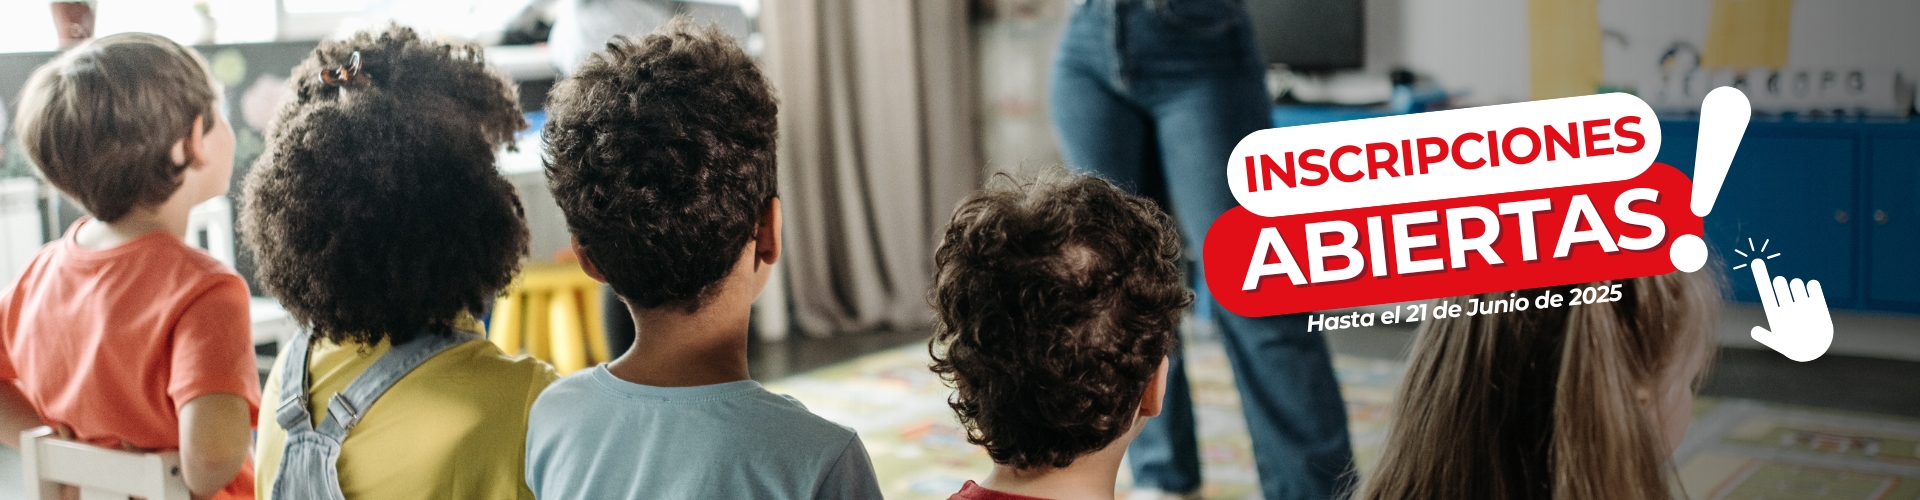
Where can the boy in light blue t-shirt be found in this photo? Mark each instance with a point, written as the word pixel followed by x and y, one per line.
pixel 661 154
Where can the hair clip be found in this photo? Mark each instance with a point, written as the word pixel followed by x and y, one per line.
pixel 348 75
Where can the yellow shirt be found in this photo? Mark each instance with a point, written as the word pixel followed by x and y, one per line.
pixel 455 427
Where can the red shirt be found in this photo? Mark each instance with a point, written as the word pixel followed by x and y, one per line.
pixel 113 342
pixel 973 491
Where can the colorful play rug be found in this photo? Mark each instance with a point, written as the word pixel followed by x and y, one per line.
pixel 1736 449
pixel 1739 449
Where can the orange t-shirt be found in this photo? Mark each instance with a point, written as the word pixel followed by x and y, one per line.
pixel 113 342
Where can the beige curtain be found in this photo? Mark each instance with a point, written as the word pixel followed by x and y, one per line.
pixel 876 146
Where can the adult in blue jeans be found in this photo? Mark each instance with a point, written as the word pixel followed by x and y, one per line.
pixel 1154 94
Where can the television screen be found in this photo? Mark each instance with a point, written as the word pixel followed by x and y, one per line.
pixel 1310 35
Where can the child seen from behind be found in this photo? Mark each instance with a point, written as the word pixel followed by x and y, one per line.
pixel 1572 402
pixel 662 158
pixel 119 334
pixel 379 220
pixel 1057 302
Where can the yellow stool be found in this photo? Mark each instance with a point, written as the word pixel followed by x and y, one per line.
pixel 552 313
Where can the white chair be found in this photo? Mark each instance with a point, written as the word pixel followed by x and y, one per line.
pixel 20 225
pixel 210 228
pixel 99 473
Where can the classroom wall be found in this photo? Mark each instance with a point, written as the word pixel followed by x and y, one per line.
pixel 1479 47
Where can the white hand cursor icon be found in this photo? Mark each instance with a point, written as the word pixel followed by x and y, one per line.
pixel 1802 328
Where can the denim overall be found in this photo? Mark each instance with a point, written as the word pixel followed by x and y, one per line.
pixel 308 463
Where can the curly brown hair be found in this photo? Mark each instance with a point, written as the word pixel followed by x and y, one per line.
pixel 661 154
pixel 377 212
pixel 1056 298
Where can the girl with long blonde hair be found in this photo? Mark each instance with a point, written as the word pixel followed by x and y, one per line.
pixel 1572 402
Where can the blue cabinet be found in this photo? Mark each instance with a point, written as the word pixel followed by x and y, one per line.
pixel 1893 219
pixel 1840 202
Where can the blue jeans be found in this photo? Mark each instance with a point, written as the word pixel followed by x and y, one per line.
pixel 1153 95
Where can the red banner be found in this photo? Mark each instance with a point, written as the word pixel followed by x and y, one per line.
pixel 1262 266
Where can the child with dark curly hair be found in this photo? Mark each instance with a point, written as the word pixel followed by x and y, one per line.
pixel 1056 301
pixel 119 334
pixel 662 158
pixel 378 219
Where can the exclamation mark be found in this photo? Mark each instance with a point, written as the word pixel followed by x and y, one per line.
pixel 1723 121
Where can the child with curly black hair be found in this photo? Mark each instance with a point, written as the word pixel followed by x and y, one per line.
pixel 662 158
pixel 1056 300
pixel 378 219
